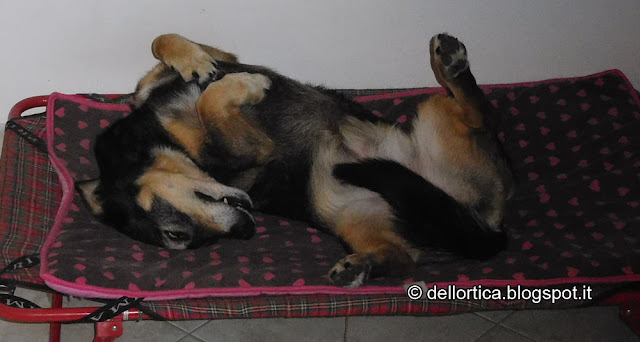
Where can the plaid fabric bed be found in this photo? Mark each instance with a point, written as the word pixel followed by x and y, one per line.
pixel 325 305
pixel 29 196
pixel 320 305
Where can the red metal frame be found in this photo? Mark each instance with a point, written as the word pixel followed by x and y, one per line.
pixel 56 314
pixel 53 315
pixel 108 331
pixel 28 103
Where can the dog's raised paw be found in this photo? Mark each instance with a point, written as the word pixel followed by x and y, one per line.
pixel 254 85
pixel 350 272
pixel 258 82
pixel 196 66
pixel 449 54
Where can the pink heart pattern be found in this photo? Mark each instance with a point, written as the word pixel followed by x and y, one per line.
pixel 573 146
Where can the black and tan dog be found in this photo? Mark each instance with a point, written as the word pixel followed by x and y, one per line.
pixel 210 138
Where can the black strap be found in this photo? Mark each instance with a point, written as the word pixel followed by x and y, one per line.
pixel 145 310
pixel 110 310
pixel 7 288
pixel 31 138
pixel 22 262
pixel 17 302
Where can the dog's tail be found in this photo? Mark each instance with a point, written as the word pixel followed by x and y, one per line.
pixel 427 216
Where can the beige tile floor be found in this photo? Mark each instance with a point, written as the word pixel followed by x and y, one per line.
pixel 587 324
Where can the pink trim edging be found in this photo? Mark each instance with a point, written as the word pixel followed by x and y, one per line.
pixel 66 182
pixel 91 291
pixel 99 292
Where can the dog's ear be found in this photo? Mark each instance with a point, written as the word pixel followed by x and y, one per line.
pixel 87 190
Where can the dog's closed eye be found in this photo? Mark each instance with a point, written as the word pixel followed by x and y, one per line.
pixel 176 236
pixel 205 197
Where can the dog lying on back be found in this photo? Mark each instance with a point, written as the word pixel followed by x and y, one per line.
pixel 210 139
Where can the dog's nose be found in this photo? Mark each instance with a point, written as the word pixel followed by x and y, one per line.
pixel 244 228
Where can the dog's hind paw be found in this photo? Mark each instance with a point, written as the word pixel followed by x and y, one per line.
pixel 350 272
pixel 449 55
pixel 248 88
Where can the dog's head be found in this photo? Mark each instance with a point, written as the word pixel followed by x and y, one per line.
pixel 171 203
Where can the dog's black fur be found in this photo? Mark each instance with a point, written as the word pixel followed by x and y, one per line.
pixel 330 164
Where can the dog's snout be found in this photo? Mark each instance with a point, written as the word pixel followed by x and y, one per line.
pixel 244 228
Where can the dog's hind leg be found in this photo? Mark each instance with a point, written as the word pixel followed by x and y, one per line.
pixel 456 132
pixel 377 249
pixel 238 139
pixel 450 65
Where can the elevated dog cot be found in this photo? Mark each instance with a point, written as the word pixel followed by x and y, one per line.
pixel 573 222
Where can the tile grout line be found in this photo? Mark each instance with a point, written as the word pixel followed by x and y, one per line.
pixel 492 321
pixel 185 330
pixel 507 316
pixel 198 328
pixel 488 330
pixel 499 323
pixel 192 336
pixel 346 327
pixel 517 332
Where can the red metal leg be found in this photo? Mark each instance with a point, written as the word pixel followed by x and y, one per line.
pixel 108 331
pixel 55 328
pixel 629 303
pixel 630 313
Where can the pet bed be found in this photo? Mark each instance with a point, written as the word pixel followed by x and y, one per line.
pixel 573 221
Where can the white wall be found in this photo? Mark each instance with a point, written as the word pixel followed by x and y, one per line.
pixel 103 46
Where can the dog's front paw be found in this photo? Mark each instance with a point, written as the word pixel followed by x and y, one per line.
pixel 351 271
pixel 449 54
pixel 196 65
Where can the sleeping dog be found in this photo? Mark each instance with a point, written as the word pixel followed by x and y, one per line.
pixel 210 139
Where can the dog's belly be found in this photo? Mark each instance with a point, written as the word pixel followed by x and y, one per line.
pixel 330 197
pixel 420 150
pixel 356 140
